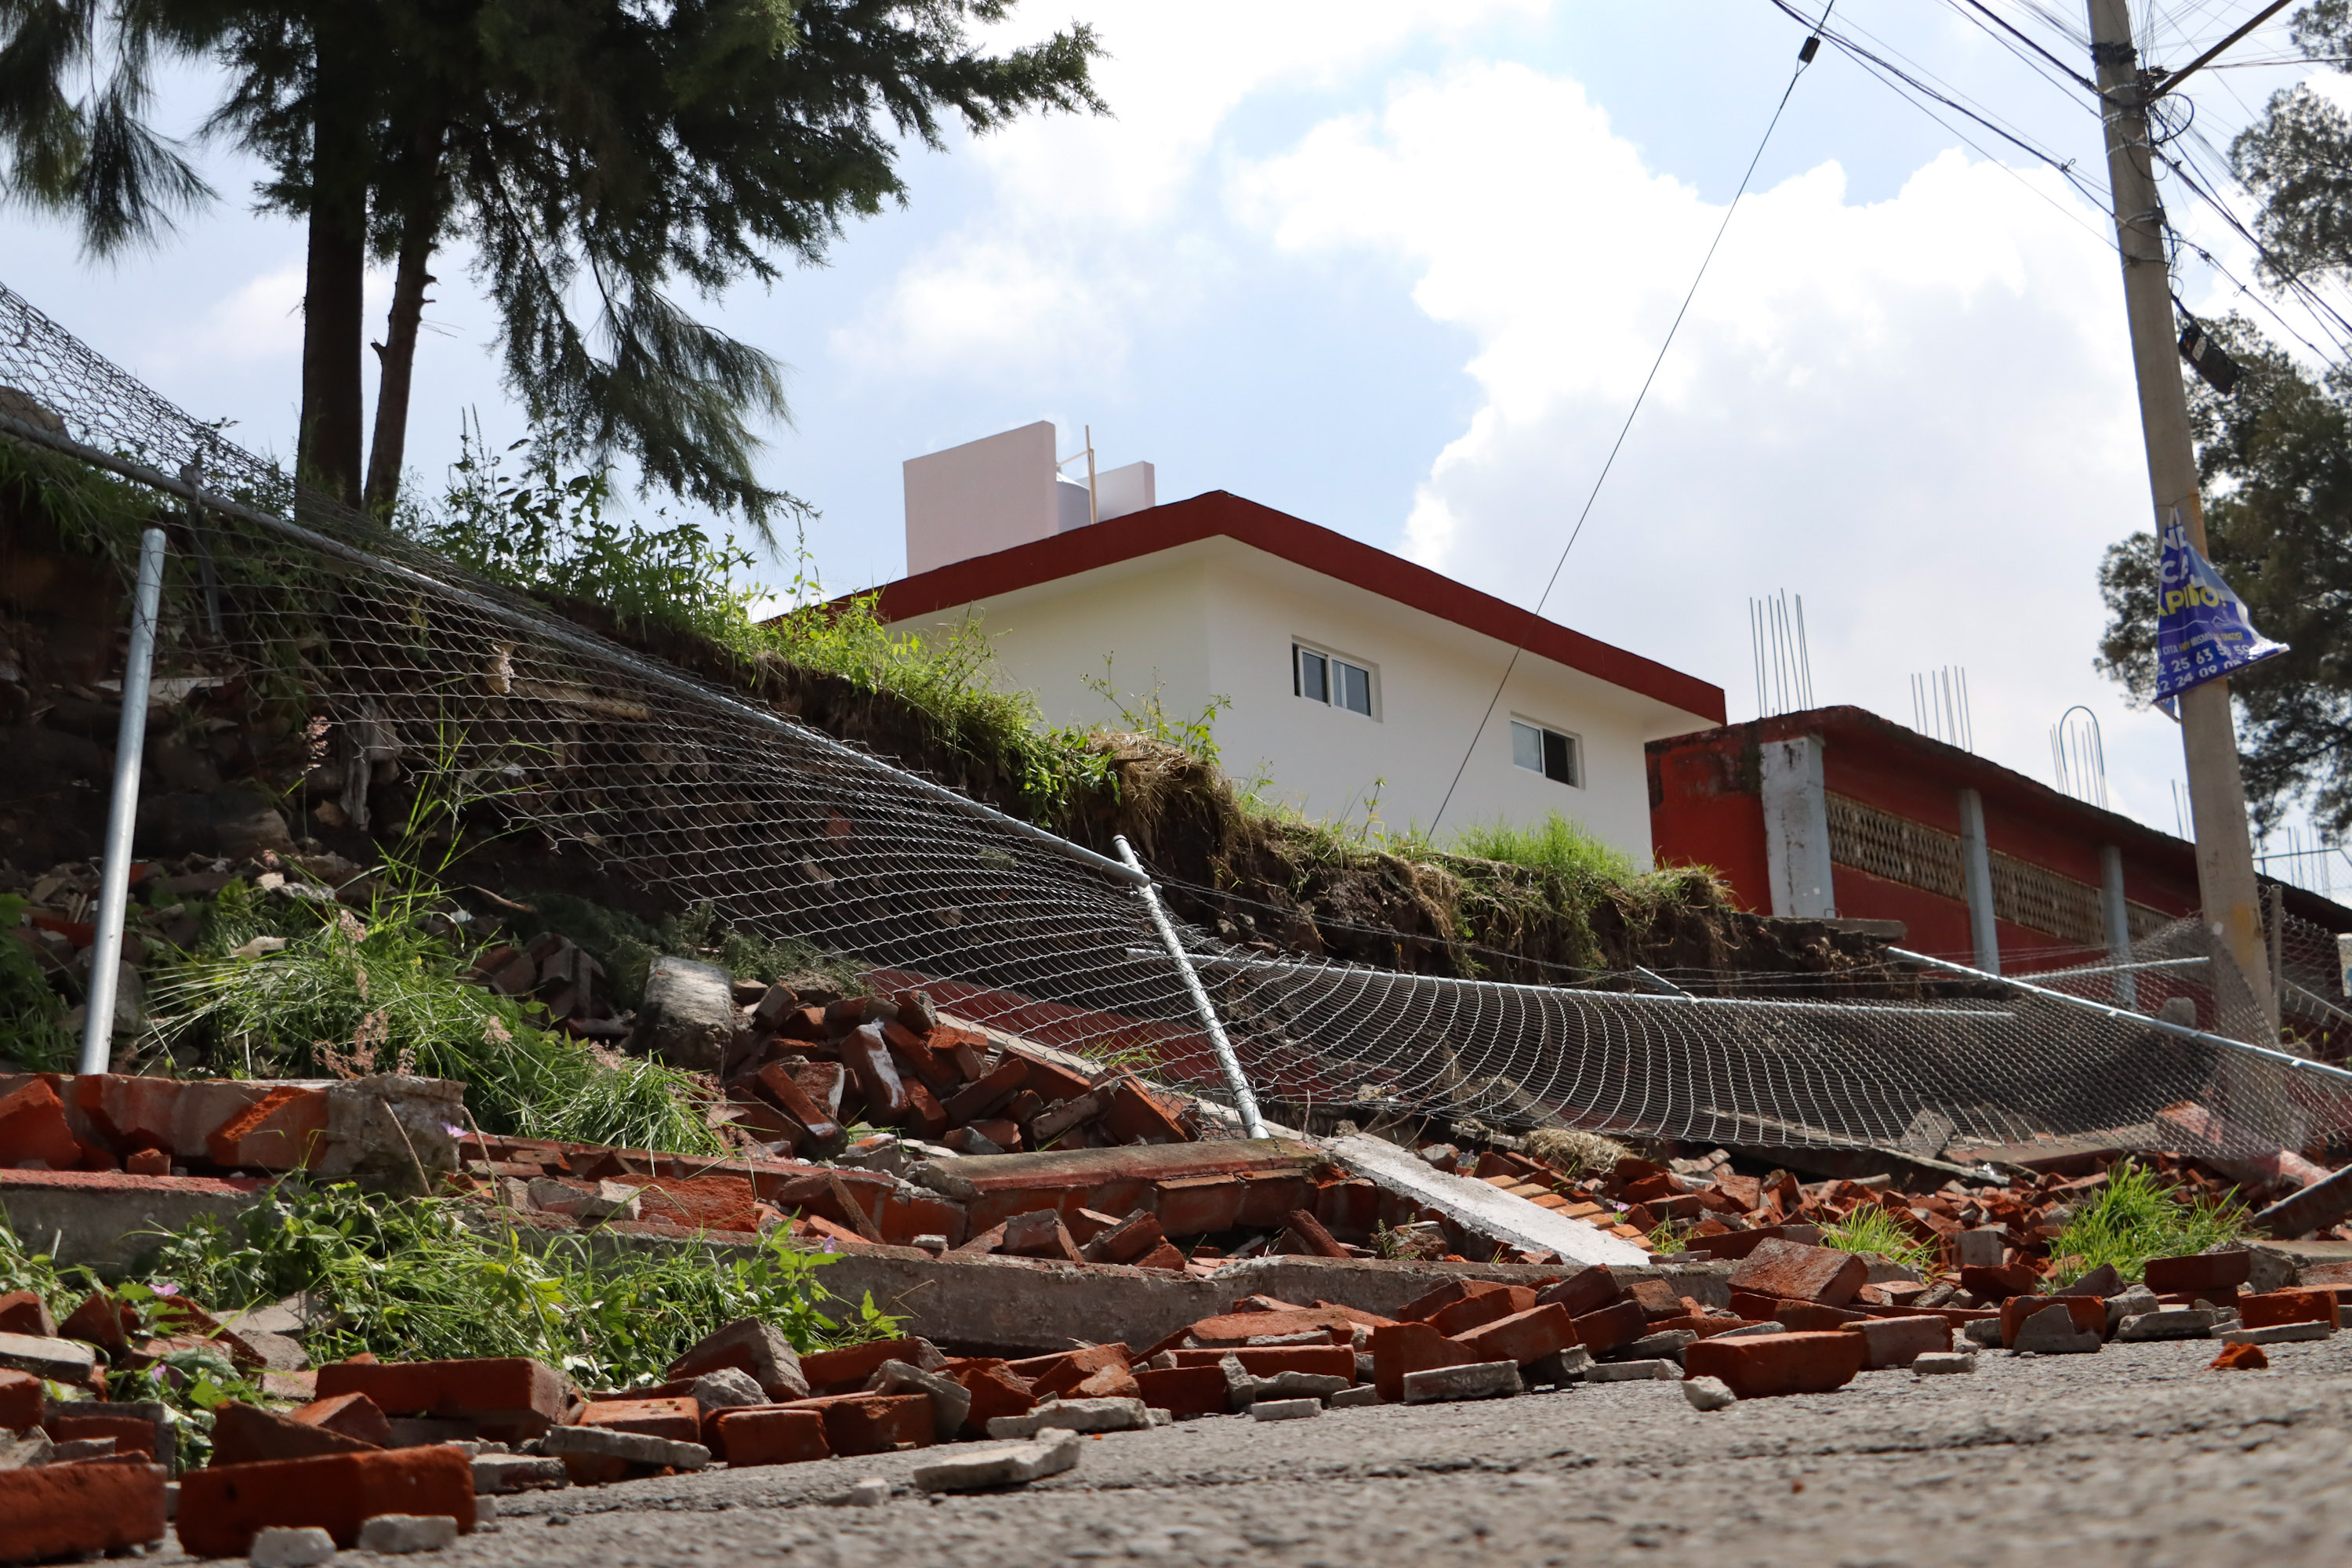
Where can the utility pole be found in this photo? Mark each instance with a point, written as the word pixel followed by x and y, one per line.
pixel 2217 794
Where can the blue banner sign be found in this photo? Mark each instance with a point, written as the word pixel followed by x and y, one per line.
pixel 2201 630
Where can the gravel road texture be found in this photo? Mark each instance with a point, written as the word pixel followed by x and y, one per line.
pixel 2138 1455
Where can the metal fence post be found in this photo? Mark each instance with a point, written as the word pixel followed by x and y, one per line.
pixel 122 814
pixel 1245 1100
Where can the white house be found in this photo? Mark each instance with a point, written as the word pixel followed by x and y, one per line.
pixel 1353 675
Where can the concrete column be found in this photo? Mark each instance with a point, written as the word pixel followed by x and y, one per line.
pixel 2118 923
pixel 1796 829
pixel 1976 869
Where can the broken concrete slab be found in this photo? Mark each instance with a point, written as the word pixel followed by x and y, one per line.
pixel 1488 1210
pixel 1075 1415
pixel 1014 1465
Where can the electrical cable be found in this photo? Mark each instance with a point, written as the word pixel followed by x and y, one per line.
pixel 1804 58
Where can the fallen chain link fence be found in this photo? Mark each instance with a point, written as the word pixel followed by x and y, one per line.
pixel 389 660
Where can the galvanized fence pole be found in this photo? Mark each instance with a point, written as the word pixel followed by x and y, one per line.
pixel 122 813
pixel 1244 1102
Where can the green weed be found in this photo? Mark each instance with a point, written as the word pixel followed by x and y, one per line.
pixel 2137 1217
pixel 32 1015
pixel 1870 1228
pixel 414 1280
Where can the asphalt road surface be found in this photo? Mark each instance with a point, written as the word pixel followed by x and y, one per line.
pixel 2138 1455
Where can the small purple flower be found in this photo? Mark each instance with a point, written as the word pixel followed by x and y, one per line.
pixel 166 1288
pixel 452 1130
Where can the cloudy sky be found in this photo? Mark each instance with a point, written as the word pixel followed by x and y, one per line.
pixel 1399 267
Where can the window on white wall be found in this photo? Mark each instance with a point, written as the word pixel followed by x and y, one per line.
pixel 1541 750
pixel 1321 677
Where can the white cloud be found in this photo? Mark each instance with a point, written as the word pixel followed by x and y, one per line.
pixel 1917 412
pixel 1078 231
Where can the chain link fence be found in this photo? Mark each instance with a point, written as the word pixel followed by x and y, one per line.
pixel 386 660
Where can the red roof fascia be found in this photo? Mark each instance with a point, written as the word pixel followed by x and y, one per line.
pixel 1221 512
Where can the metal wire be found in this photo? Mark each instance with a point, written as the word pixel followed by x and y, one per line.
pixel 398 672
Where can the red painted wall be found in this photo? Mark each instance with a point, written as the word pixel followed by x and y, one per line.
pixel 1706 809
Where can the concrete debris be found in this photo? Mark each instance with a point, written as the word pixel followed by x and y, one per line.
pixel 1075 1415
pixel 2053 1330
pixel 291 1546
pixel 1944 1364
pixel 871 1492
pixel 2167 1323
pixel 1471 1380
pixel 1286 1409
pixel 499 1475
pixel 399 1534
pixel 1709 1393
pixel 1633 1371
pixel 1014 1465
pixel 2273 1334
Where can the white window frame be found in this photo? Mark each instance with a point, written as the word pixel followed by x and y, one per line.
pixel 1300 648
pixel 1521 721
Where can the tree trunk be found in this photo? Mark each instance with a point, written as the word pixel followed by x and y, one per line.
pixel 397 359
pixel 328 454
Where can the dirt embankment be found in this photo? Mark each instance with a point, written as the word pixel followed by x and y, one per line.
pixel 219 759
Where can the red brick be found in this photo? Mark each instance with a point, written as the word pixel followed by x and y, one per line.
pixel 20 1400
pixel 2291 1307
pixel 679 1420
pixel 131 1433
pixel 1197 1205
pixel 79 1510
pixel 1410 1347
pixel 147 1162
pixel 23 1312
pixel 285 1129
pixel 1803 1316
pixel 352 1414
pixel 2088 1312
pixel 101 1320
pixel 995 1390
pixel 975 1101
pixel 868 1059
pixel 845 1370
pixel 2201 1272
pixel 1900 1341
pixel 1995 1282
pixel 1587 1290
pixel 769 1436
pixel 1348 1209
pixel 1186 1390
pixel 1233 1328
pixel 509 1399
pixel 1271 1361
pixel 1098 1371
pixel 1795 1272
pixel 697 1203
pixel 1438 1297
pixel 1607 1329
pixel 1522 1337
pixel 247 1435
pixel 874 1423
pixel 2240 1358
pixel 1759 1365
pixel 1656 1298
pixel 221 1509
pixel 1487 1307
pixel 1137 1116
pixel 33 1130
pixel 1164 1255
pixel 1733 1245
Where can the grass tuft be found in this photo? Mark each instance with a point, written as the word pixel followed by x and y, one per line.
pixel 1560 846
pixel 1870 1228
pixel 2139 1215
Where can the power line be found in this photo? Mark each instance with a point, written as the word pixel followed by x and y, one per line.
pixel 1805 58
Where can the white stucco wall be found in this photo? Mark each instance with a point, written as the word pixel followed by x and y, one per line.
pixel 1218 617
